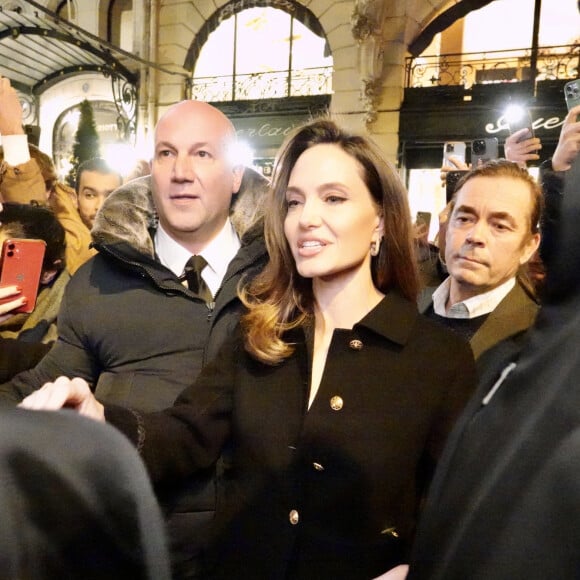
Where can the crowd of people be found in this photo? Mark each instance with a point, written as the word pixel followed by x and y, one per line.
pixel 304 407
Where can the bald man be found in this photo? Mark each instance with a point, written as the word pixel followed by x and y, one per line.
pixel 131 323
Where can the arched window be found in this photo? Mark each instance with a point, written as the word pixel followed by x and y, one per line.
pixel 67 10
pixel 120 23
pixel 274 54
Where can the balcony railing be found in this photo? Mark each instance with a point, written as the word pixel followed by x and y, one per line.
pixel 268 85
pixel 467 69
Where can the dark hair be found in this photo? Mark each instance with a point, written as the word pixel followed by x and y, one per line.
pixel 25 221
pixel 505 168
pixel 279 298
pixel 97 164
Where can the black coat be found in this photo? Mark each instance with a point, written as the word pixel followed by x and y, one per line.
pixel 331 492
pixel 139 337
pixel 17 356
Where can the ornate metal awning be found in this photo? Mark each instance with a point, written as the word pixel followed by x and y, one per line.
pixel 39 49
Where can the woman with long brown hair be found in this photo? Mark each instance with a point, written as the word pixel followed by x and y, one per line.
pixel 331 406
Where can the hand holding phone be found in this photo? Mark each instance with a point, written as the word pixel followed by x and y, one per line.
pixel 569 141
pixel 10 300
pixel 21 266
pixel 572 94
pixel 520 149
pixel 422 225
pixel 453 153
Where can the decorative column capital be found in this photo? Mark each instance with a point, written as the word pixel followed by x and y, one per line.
pixel 370 96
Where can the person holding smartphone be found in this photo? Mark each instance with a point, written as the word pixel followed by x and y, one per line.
pixel 16 355
pixel 521 148
pixel 552 173
pixel 30 222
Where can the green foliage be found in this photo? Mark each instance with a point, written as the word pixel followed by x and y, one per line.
pixel 87 144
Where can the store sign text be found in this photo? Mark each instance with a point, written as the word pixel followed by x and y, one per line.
pixel 538 123
pixel 265 130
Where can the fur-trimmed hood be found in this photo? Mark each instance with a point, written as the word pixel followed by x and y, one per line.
pixel 128 215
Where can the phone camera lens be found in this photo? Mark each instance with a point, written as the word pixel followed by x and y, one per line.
pixel 11 246
pixel 449 148
pixel 479 146
pixel 10 253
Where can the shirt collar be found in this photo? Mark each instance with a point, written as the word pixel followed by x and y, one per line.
pixel 218 253
pixel 394 318
pixel 472 307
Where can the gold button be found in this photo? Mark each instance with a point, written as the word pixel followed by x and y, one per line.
pixel 336 403
pixel 355 344
pixel 318 467
pixel 391 532
pixel 294 517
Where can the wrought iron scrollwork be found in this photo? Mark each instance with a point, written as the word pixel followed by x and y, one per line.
pixel 125 99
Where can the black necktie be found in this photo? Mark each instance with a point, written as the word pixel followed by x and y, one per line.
pixel 192 275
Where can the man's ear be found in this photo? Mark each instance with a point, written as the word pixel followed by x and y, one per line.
pixel 238 172
pixel 529 249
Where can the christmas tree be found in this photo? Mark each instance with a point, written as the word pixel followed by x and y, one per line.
pixel 86 145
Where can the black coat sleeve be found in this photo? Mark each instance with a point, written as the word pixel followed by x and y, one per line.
pixel 188 437
pixel 17 356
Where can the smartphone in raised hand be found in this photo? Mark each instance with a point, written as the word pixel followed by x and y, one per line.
pixel 572 94
pixel 21 265
pixel 423 218
pixel 453 149
pixel 520 118
pixel 483 150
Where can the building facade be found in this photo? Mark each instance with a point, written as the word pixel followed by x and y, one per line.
pixel 403 71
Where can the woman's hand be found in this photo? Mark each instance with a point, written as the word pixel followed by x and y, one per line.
pixel 6 309
pixel 64 392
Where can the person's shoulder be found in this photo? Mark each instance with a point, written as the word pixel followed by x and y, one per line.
pixel 88 273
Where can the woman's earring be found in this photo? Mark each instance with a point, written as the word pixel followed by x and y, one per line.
pixel 375 247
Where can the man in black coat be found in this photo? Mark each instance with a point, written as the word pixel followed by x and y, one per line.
pixel 505 501
pixel 128 325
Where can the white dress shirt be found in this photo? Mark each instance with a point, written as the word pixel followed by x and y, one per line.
pixel 218 254
pixel 472 307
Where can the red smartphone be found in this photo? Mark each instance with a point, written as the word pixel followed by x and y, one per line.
pixel 21 265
